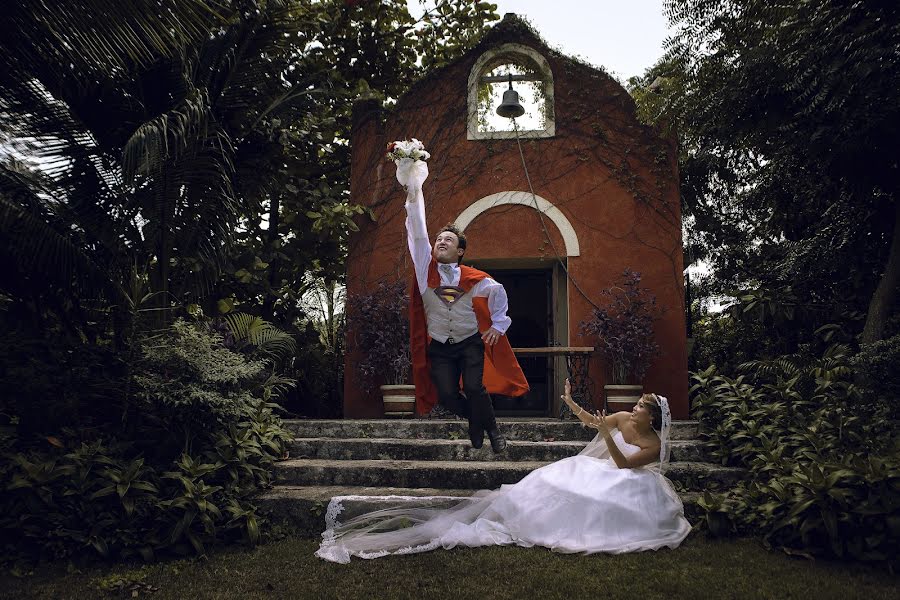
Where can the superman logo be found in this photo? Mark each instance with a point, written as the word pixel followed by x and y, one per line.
pixel 449 294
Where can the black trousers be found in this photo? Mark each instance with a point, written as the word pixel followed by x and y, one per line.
pixel 465 358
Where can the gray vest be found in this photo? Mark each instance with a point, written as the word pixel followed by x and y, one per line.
pixel 457 321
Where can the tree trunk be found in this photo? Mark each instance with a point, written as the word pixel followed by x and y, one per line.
pixel 161 301
pixel 163 252
pixel 886 293
pixel 271 237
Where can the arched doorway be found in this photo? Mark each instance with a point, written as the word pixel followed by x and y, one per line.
pixel 539 308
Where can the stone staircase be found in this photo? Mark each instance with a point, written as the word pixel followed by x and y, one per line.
pixel 378 460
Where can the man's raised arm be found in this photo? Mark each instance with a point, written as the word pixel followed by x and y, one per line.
pixel 416 230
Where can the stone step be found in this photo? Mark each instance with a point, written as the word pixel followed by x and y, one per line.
pixel 473 475
pixel 304 507
pixel 457 450
pixel 526 429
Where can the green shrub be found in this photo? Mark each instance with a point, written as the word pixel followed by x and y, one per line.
pixel 876 365
pixel 319 371
pixel 824 478
pixel 47 384
pixel 188 435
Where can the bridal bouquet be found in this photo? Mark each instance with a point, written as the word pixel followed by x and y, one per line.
pixel 410 157
pixel 413 149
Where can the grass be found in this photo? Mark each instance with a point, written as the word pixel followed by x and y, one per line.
pixel 700 568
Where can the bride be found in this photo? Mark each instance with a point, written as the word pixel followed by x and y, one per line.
pixel 612 497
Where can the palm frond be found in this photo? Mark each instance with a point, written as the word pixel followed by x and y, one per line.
pixel 145 145
pixel 38 124
pixel 782 366
pixel 166 136
pixel 47 258
pixel 276 386
pixel 267 338
pixel 93 206
pixel 97 36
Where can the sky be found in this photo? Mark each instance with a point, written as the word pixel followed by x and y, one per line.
pixel 625 37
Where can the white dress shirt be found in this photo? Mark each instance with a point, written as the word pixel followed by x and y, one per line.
pixel 421 251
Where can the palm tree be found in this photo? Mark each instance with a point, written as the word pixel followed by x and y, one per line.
pixel 149 129
pixel 55 217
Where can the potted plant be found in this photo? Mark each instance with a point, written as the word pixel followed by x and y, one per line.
pixel 623 328
pixel 379 322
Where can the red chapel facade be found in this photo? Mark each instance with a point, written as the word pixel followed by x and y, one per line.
pixel 605 199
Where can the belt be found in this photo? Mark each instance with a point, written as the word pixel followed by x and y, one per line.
pixel 451 340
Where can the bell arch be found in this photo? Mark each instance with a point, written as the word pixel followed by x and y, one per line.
pixel 532 78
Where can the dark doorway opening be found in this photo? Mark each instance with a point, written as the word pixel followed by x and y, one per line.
pixel 530 308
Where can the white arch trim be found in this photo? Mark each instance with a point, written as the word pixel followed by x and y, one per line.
pixel 570 238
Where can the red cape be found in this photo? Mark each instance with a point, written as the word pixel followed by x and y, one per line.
pixel 502 373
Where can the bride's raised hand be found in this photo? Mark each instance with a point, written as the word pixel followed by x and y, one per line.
pixel 600 422
pixel 567 395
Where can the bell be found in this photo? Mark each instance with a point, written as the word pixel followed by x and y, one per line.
pixel 510 107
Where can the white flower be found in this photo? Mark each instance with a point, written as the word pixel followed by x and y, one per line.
pixel 413 149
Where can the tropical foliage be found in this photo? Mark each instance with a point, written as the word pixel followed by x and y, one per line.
pixel 153 451
pixel 822 455
pixel 217 164
pixel 786 117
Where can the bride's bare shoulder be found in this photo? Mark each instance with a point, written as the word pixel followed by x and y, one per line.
pixel 642 440
pixel 650 440
pixel 620 418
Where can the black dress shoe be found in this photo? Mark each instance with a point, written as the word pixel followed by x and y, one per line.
pixel 476 436
pixel 498 442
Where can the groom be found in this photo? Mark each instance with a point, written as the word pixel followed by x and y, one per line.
pixel 463 313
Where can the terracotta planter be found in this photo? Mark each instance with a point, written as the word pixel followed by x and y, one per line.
pixel 621 397
pixel 399 400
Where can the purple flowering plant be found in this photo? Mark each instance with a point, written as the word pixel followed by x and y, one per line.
pixel 379 322
pixel 623 328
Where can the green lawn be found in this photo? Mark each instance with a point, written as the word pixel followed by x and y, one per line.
pixel 700 568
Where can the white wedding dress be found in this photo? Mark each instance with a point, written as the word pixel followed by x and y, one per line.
pixel 584 503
